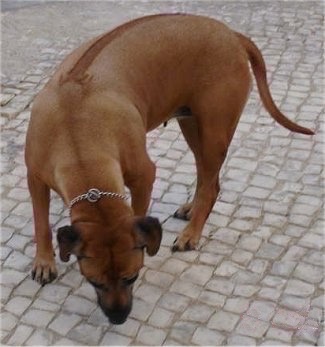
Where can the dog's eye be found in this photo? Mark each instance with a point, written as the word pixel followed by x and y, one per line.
pixel 131 280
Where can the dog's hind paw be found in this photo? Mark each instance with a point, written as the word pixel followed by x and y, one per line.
pixel 44 271
pixel 184 212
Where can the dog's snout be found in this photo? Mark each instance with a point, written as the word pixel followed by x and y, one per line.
pixel 117 315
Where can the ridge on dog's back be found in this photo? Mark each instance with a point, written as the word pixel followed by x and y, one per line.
pixel 77 72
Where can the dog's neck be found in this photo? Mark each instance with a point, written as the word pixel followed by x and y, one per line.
pixel 106 211
pixel 75 183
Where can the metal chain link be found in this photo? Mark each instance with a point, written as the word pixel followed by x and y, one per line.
pixel 93 195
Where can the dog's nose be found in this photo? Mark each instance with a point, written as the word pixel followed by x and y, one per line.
pixel 117 319
pixel 117 316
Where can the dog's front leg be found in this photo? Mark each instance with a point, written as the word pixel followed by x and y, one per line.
pixel 44 269
pixel 141 188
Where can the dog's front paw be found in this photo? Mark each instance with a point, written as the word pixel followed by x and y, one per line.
pixel 44 270
pixel 184 243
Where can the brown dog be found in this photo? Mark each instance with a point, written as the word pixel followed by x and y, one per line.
pixel 88 130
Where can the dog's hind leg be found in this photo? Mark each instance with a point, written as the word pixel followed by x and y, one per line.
pixel 44 269
pixel 190 131
pixel 217 112
pixel 206 193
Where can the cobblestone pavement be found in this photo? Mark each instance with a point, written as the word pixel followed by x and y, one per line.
pixel 257 278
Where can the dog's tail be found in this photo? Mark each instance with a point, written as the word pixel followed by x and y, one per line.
pixel 258 66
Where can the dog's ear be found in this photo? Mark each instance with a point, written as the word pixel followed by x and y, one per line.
pixel 149 234
pixel 67 237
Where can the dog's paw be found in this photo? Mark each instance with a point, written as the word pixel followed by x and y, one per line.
pixel 44 271
pixel 184 212
pixel 182 244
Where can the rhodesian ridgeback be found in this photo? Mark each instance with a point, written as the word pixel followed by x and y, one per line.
pixel 87 141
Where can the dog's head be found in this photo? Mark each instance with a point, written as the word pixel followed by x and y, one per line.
pixel 111 261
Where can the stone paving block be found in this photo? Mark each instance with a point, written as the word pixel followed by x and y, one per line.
pixel 18 242
pixel 246 290
pixel 27 288
pixel 72 278
pixel 269 293
pixel 294 253
pixel 174 302
pixel 223 321
pixel 97 318
pixel 10 278
pixel 159 279
pixel 227 269
pixel 197 274
pixel 309 273
pixel 258 266
pixel 149 293
pixel 318 302
pixel 218 220
pixel 6 234
pixel 17 260
pixel 240 340
pixel 113 339
pixel 212 298
pixel 148 335
pixel 210 259
pixel 86 334
pixel 262 310
pixel 283 268
pixel 5 252
pixel 5 294
pixel 226 235
pixel 129 328
pixel 309 332
pixel 141 310
pixel 207 337
pixel 161 318
pixel 250 243
pixel 299 288
pixel 222 286
pixel 269 251
pixel 312 240
pixel 186 288
pixel 17 305
pixel 241 257
pixel 252 327
pixel 284 318
pixel 236 305
pixel 77 304
pixel 182 331
pixel 20 335
pixel 8 321
pixel 280 334
pixel 40 338
pixel 39 318
pixel 198 313
pixel 64 322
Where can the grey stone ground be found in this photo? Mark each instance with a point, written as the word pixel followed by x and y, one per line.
pixel 258 275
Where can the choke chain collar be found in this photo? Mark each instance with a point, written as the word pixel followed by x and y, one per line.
pixel 93 195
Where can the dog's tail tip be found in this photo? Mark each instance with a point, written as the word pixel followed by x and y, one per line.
pixel 304 131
